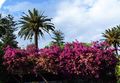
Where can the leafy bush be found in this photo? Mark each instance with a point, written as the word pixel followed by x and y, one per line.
pixel 118 69
pixel 18 61
pixel 74 60
pixel 91 62
pixel 48 59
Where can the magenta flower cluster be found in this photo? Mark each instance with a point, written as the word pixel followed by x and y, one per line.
pixel 75 59
pixel 19 61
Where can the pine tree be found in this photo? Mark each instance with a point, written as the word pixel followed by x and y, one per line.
pixel 2 26
pixel 9 38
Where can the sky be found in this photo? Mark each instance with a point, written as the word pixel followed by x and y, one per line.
pixel 82 20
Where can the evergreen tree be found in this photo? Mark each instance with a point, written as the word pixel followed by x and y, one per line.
pixel 58 38
pixel 10 27
pixel 2 26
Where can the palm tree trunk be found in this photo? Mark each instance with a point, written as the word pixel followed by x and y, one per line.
pixel 115 46
pixel 36 39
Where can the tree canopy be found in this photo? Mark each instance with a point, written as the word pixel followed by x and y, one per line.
pixel 35 24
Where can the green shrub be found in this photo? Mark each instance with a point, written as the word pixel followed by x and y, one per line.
pixel 117 71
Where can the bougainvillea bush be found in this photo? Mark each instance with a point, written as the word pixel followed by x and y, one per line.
pixel 19 61
pixel 75 59
pixel 91 62
pixel 48 59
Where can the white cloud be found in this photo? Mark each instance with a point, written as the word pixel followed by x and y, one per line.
pixel 2 2
pixel 105 10
pixel 87 19
pixel 83 20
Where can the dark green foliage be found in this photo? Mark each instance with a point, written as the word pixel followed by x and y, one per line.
pixel 2 26
pixel 3 72
pixel 58 38
pixel 7 37
pixel 1 51
pixel 10 27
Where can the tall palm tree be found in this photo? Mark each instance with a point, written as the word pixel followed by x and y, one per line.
pixel 112 36
pixel 35 24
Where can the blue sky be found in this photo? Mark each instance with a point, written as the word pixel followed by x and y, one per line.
pixel 83 20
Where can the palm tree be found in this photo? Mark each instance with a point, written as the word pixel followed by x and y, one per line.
pixel 35 24
pixel 112 36
pixel 58 38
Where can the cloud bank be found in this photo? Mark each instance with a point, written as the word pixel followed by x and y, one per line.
pixel 2 2
pixel 83 20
